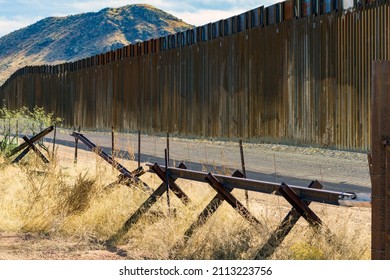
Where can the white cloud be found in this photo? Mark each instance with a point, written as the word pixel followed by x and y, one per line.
pixel 205 11
pixel 7 25
pixel 194 12
pixel 184 7
pixel 89 6
pixel 206 16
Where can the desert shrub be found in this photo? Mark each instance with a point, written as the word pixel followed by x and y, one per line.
pixel 305 251
pixel 48 198
pixel 22 120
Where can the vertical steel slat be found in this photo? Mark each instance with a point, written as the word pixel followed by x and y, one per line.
pixel 359 76
pixel 339 81
pixel 364 63
pixel 350 81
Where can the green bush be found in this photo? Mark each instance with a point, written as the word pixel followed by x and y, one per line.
pixel 22 120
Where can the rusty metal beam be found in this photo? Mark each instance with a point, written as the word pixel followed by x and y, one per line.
pixel 126 181
pixel 278 235
pixel 33 139
pixel 31 146
pixel 163 175
pixel 35 149
pixel 380 173
pixel 283 229
pixel 299 205
pixel 76 145
pixel 136 216
pixel 102 154
pixel 21 155
pixel 207 212
pixel 109 159
pixel 315 195
pixel 224 192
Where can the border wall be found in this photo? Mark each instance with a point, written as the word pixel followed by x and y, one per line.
pixel 285 73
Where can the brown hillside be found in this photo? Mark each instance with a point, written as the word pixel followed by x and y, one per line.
pixel 56 40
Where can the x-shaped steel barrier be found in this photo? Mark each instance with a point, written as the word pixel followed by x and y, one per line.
pixel 289 221
pixel 153 198
pixel 223 185
pixel 299 197
pixel 127 177
pixel 203 217
pixel 29 144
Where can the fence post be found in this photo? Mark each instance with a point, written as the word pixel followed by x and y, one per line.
pixel 112 143
pixel 139 148
pixel 380 157
pixel 244 172
pixel 17 132
pixel 167 179
pixel 168 148
pixel 54 138
pixel 76 145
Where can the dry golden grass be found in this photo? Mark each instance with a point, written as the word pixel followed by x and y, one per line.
pixel 62 202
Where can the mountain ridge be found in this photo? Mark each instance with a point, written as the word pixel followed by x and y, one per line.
pixel 55 40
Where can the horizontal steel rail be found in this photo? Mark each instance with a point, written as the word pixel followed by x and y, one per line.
pixel 307 194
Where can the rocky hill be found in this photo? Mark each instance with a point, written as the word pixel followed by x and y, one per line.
pixel 56 40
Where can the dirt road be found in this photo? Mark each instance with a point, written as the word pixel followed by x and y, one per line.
pixel 336 170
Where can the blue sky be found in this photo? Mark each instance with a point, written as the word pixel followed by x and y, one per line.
pixel 16 14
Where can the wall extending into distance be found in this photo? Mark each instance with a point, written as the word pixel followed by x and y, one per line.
pixel 285 73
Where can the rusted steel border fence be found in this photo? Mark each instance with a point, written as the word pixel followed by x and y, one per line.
pixel 283 73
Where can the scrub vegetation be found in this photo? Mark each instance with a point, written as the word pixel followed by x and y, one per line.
pixel 66 209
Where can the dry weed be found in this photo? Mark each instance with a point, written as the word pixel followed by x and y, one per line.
pixel 53 200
